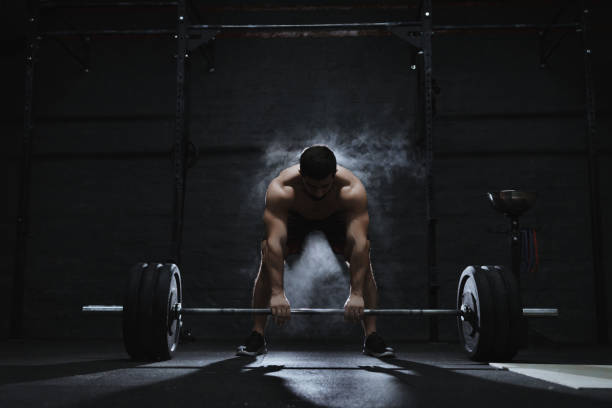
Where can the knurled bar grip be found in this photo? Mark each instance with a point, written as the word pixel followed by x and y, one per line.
pixel 527 312
pixel 306 311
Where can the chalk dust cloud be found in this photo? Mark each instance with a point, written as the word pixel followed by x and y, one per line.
pixel 316 277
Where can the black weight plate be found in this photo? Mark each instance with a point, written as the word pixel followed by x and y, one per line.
pixel 486 316
pixel 469 335
pixel 501 308
pixel 166 327
pixel 515 313
pixel 474 291
pixel 145 308
pixel 131 336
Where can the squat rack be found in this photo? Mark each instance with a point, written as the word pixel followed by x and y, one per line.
pixel 418 33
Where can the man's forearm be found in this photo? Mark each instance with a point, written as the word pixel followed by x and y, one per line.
pixel 359 263
pixel 275 266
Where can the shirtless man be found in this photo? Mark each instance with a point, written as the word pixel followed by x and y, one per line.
pixel 315 195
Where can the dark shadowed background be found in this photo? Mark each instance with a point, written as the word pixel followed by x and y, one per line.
pixel 102 175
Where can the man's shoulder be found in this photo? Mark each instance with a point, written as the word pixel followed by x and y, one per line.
pixel 350 183
pixel 279 195
pixel 352 193
pixel 290 171
pixel 279 190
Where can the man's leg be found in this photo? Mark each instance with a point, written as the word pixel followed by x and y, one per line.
pixel 373 345
pixel 255 344
pixel 261 293
pixel 370 293
pixel 370 300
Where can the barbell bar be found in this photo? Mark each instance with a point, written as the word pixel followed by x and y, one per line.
pixel 114 309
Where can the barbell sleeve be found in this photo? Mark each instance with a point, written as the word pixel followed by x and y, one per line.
pixel 102 309
pixel 540 312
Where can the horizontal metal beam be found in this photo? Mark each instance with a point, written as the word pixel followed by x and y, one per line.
pixel 528 312
pixel 520 26
pixel 302 33
pixel 416 25
pixel 147 32
pixel 544 152
pixel 99 4
pixel 352 6
pixel 244 33
pixel 339 29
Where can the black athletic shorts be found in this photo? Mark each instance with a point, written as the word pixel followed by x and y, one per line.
pixel 334 228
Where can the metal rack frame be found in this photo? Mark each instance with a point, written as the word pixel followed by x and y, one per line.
pixel 418 33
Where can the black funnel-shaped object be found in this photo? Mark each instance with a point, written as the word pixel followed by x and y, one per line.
pixel 511 202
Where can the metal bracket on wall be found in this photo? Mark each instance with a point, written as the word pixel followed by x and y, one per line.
pixel 199 37
pixel 408 35
pixel 82 56
pixel 204 40
pixel 546 50
pixel 81 53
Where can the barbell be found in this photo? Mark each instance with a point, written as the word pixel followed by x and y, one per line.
pixel 488 312
pixel 527 312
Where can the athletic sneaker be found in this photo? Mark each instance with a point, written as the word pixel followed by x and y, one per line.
pixel 375 346
pixel 254 345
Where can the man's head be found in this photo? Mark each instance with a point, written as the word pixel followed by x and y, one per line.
pixel 318 169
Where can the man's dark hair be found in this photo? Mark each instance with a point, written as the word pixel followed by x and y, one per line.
pixel 317 162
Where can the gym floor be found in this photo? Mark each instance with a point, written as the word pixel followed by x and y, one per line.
pixel 96 373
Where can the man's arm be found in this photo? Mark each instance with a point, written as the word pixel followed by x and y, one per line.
pixel 275 220
pixel 359 256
